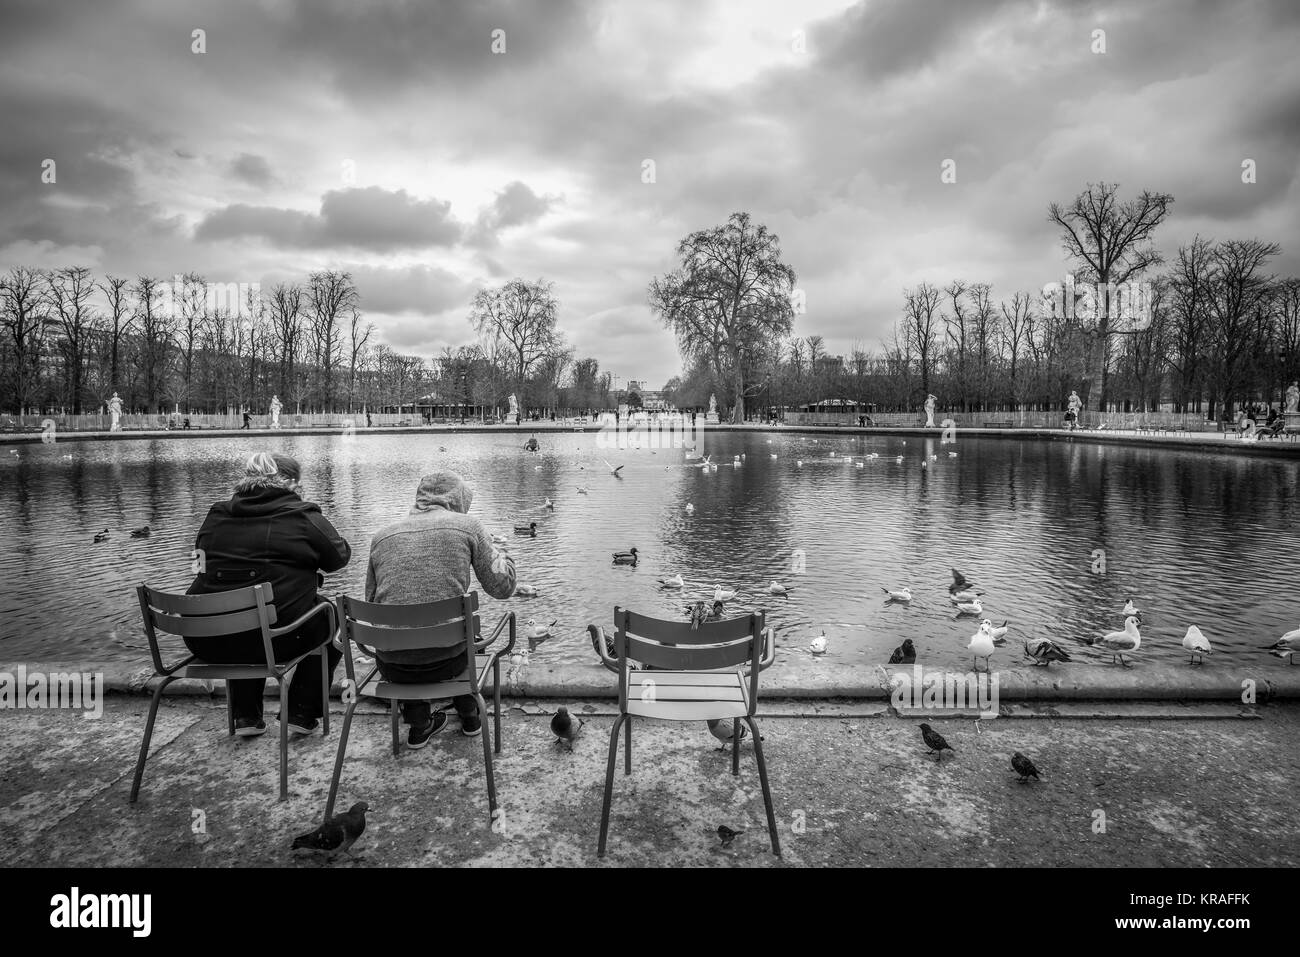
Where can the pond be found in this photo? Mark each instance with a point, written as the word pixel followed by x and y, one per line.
pixel 1191 537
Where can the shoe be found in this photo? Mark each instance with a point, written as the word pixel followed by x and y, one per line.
pixel 300 725
pixel 417 738
pixel 249 727
pixel 471 726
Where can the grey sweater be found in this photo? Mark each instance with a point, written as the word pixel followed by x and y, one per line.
pixel 428 556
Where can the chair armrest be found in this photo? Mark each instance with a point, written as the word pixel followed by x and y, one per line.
pixel 301 619
pixel 768 654
pixel 168 671
pixel 507 619
pixel 600 643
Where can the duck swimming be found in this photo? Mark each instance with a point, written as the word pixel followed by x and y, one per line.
pixel 530 529
pixel 142 532
pixel 101 536
pixel 626 558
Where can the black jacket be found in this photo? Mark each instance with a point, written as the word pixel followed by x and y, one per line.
pixel 269 535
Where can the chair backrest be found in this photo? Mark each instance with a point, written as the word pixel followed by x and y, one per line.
pixel 413 627
pixel 207 616
pixel 676 646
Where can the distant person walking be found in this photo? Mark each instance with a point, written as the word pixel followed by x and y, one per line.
pixel 247 419
pixel 432 554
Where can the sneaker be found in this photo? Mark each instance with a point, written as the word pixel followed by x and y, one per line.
pixel 299 725
pixel 471 726
pixel 249 727
pixel 417 738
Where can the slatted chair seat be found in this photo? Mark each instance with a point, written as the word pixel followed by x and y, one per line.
pixel 216 615
pixel 692 674
pixel 375 628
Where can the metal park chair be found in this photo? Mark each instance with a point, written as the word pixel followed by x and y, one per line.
pixel 374 628
pixel 690 675
pixel 213 616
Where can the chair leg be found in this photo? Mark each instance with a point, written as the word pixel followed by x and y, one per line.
pixel 609 784
pixel 338 761
pixel 392 707
pixel 496 700
pixel 324 693
pixel 735 746
pixel 230 711
pixel 148 736
pixel 767 791
pixel 284 739
pixel 487 759
pixel 627 745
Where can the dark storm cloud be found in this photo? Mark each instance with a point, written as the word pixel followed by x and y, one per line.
pixel 252 169
pixel 371 218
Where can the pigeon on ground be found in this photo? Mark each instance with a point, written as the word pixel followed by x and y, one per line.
pixel 935 742
pixel 904 654
pixel 1197 644
pixel 721 728
pixel 564 728
pixel 338 833
pixel 1044 651
pixel 1024 767
pixel 727 834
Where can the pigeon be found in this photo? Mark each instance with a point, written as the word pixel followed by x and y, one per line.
pixel 904 654
pixel 959 583
pixel 818 645
pixel 698 615
pixel 1024 767
pixel 564 728
pixel 721 728
pixel 613 469
pixel 338 833
pixel 935 742
pixel 142 532
pixel 981 646
pixel 1044 651
pixel 1197 644
pixel 538 633
pixel 101 536
pixel 1119 642
pixel 727 834
pixel 1288 646
pixel 903 594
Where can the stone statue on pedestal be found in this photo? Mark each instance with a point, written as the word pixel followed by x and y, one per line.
pixel 929 411
pixel 513 414
pixel 275 411
pixel 1074 405
pixel 713 409
pixel 1293 397
pixel 115 410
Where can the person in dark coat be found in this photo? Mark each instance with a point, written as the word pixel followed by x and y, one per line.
pixel 268 533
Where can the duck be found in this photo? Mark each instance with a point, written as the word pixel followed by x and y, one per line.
pixel 690 509
pixel 527 591
pixel 818 645
pixel 101 536
pixel 536 634
pixel 776 588
pixel 1197 644
pixel 1044 651
pixel 723 594
pixel 970 608
pixel 981 645
pixel 903 594
pixel 626 558
pixel 1288 646
pixel 674 581
pixel 1118 643
pixel 582 490
pixel 142 532
pixel 530 529
pixel 904 654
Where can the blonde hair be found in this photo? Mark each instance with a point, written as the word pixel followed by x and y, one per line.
pixel 263 470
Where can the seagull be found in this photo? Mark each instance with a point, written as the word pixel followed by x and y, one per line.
pixel 818 645
pixel 935 742
pixel 904 654
pixel 690 509
pixel 582 490
pixel 776 588
pixel 1130 609
pixel 903 594
pixel 564 728
pixel 1044 651
pixel 1197 644
pixel 537 633
pixel 981 646
pixel 1024 767
pixel 526 591
pixel 722 729
pixel 1119 642
pixel 723 594
pixel 498 539
pixel 613 469
pixel 338 833
pixel 959 582
pixel 970 608
pixel 799 462
pixel 969 594
pixel 999 634
pixel 874 455
pixel 1288 646
pixel 674 582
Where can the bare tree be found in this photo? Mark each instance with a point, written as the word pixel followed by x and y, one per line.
pixel 921 326
pixel 157 333
pixel 1238 297
pixel 1015 333
pixel 1190 317
pixel 983 330
pixel 330 294
pixel 518 317
pixel 23 312
pixel 285 317
pixel 194 321
pixel 68 293
pixel 118 322
pixel 359 334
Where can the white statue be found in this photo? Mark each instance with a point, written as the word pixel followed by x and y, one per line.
pixel 513 414
pixel 1074 405
pixel 115 410
pixel 929 411
pixel 713 404
pixel 275 411
pixel 1293 397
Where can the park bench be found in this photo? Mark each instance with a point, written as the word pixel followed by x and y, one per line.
pixel 1007 424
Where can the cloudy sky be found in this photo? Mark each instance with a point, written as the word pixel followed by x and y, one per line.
pixel 388 139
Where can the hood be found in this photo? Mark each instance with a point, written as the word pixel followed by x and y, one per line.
pixel 266 501
pixel 442 490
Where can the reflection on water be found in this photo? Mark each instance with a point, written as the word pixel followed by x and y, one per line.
pixel 1192 538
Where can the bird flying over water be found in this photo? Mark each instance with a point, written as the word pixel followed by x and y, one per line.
pixel 613 469
pixel 338 833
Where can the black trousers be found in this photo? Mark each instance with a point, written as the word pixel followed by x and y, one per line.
pixel 417 713
pixel 304 687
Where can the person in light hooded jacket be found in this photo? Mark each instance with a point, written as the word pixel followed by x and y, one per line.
pixel 433 554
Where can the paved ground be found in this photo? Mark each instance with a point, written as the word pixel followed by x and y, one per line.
pixel 1203 785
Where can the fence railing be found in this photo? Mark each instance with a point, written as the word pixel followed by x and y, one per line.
pixel 138 422
pixel 1187 421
